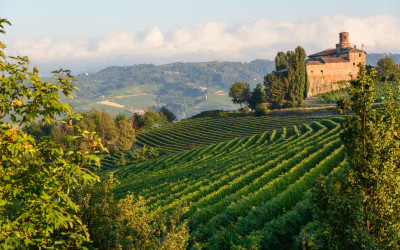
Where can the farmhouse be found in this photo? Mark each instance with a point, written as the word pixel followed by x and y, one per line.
pixel 329 69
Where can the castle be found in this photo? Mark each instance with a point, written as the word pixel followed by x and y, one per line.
pixel 327 69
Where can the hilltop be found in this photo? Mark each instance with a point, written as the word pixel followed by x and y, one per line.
pixel 185 88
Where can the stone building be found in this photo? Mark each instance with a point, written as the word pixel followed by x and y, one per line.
pixel 329 69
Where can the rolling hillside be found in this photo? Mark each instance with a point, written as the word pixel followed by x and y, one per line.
pixel 199 132
pixel 244 191
pixel 184 88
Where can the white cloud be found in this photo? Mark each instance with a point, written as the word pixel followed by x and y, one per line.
pixel 248 40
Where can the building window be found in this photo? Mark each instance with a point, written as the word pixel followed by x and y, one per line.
pixel 312 71
pixel 359 55
pixel 322 71
pixel 354 64
pixel 344 37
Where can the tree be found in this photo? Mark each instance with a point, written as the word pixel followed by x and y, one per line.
pixel 240 93
pixel 358 206
pixel 262 109
pixel 387 69
pixel 126 135
pixel 257 96
pixel 281 61
pixel 170 116
pixel 36 177
pixel 296 74
pixel 127 223
pixel 275 88
pixel 108 129
pixel 292 70
pixel 149 119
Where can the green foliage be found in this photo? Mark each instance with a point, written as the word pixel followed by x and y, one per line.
pixel 281 61
pixel 296 75
pixel 307 85
pixel 240 93
pixel 127 223
pixel 257 96
pixel 142 228
pixel 289 81
pixel 275 89
pixel 102 124
pixel 170 116
pixel 210 113
pixel 116 134
pixel 262 109
pixel 149 119
pixel 387 69
pixel 332 97
pixel 380 91
pixel 143 154
pixel 36 177
pixel 369 184
pixel 126 135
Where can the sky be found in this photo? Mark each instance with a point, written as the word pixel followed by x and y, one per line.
pixel 88 35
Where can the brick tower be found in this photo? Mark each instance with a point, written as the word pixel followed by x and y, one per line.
pixel 344 40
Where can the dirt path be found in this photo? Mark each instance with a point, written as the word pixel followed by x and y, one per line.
pixel 113 104
pixel 123 96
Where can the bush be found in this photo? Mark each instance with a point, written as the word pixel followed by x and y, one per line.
pixel 262 109
pixel 245 110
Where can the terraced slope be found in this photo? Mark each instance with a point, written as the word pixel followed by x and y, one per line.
pixel 206 131
pixel 237 190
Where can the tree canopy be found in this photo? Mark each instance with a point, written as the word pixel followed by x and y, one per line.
pixel 289 82
pixel 275 88
pixel 257 96
pixel 48 196
pixel 240 93
pixel 36 177
pixel 387 69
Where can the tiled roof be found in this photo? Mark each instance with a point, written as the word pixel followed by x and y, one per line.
pixel 313 62
pixel 357 50
pixel 329 52
pixel 334 60
pixel 326 52
pixel 321 61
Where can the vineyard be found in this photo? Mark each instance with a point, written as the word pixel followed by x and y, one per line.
pixel 199 132
pixel 246 192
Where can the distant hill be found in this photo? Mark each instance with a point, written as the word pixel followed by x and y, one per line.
pixel 185 88
pixel 373 58
pixel 220 74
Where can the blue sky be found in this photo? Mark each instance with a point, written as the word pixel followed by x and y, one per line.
pixel 88 35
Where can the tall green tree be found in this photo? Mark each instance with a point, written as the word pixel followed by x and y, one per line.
pixel 275 88
pixel 36 177
pixel 240 93
pixel 257 96
pixel 358 206
pixel 296 74
pixel 126 135
pixel 281 61
pixel 387 69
